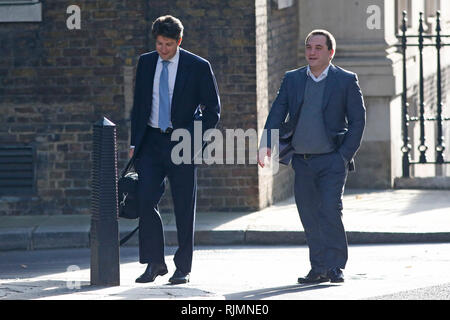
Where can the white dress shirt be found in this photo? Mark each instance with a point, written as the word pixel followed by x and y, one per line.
pixel 322 76
pixel 172 68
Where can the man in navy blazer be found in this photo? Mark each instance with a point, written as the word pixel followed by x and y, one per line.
pixel 173 89
pixel 327 105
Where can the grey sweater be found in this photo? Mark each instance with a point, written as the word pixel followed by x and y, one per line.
pixel 310 134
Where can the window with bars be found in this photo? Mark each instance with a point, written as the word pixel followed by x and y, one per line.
pixel 17 170
pixel 429 7
pixel 400 6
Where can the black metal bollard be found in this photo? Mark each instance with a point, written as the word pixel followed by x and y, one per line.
pixel 104 235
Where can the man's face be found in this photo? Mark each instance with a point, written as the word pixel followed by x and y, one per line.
pixel 317 54
pixel 166 47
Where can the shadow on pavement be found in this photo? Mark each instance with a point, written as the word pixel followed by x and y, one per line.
pixel 271 292
pixel 40 289
pixel 62 290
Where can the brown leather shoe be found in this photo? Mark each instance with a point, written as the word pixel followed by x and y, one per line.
pixel 153 270
pixel 314 277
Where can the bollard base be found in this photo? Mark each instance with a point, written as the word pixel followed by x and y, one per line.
pixel 105 264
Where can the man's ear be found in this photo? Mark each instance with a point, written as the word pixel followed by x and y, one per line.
pixel 179 41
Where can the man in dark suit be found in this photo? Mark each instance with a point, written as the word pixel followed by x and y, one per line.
pixel 173 87
pixel 327 105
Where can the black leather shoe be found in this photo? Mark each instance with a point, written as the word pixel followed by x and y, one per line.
pixel 179 277
pixel 314 277
pixel 153 270
pixel 336 275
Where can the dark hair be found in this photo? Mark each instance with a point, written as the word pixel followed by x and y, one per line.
pixel 167 26
pixel 331 42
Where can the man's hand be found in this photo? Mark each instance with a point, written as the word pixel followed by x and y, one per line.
pixel 262 153
pixel 130 152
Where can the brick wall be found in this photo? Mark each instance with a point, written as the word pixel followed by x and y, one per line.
pixel 55 83
pixel 277 39
pixel 223 33
pixel 282 47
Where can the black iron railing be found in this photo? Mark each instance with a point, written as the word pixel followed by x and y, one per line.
pixel 421 119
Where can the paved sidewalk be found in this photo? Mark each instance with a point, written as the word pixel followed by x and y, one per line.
pixel 370 216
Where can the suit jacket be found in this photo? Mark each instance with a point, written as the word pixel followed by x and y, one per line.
pixel 343 108
pixel 195 89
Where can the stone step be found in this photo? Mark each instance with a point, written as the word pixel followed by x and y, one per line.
pixel 442 183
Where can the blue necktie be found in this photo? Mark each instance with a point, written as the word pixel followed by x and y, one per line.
pixel 164 99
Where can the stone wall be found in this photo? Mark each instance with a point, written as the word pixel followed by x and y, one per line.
pixel 430 102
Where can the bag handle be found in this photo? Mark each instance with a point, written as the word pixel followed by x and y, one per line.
pixel 128 166
pixel 124 172
pixel 128 236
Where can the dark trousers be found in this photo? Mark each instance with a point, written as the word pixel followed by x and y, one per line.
pixel 319 186
pixel 153 165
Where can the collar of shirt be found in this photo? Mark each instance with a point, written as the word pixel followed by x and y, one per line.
pixel 174 59
pixel 322 76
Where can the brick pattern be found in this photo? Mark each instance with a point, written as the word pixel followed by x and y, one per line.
pixel 277 33
pixel 282 47
pixel 55 83
pixel 223 33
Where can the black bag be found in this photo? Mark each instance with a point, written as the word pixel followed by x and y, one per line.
pixel 127 195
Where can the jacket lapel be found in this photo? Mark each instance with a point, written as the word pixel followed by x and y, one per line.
pixel 152 68
pixel 330 85
pixel 300 87
pixel 180 80
pixel 153 61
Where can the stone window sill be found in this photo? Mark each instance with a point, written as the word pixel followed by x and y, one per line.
pixel 20 11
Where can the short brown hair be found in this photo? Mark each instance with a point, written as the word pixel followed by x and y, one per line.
pixel 167 26
pixel 331 42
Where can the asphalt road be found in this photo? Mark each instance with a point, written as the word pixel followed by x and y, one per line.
pixel 412 271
